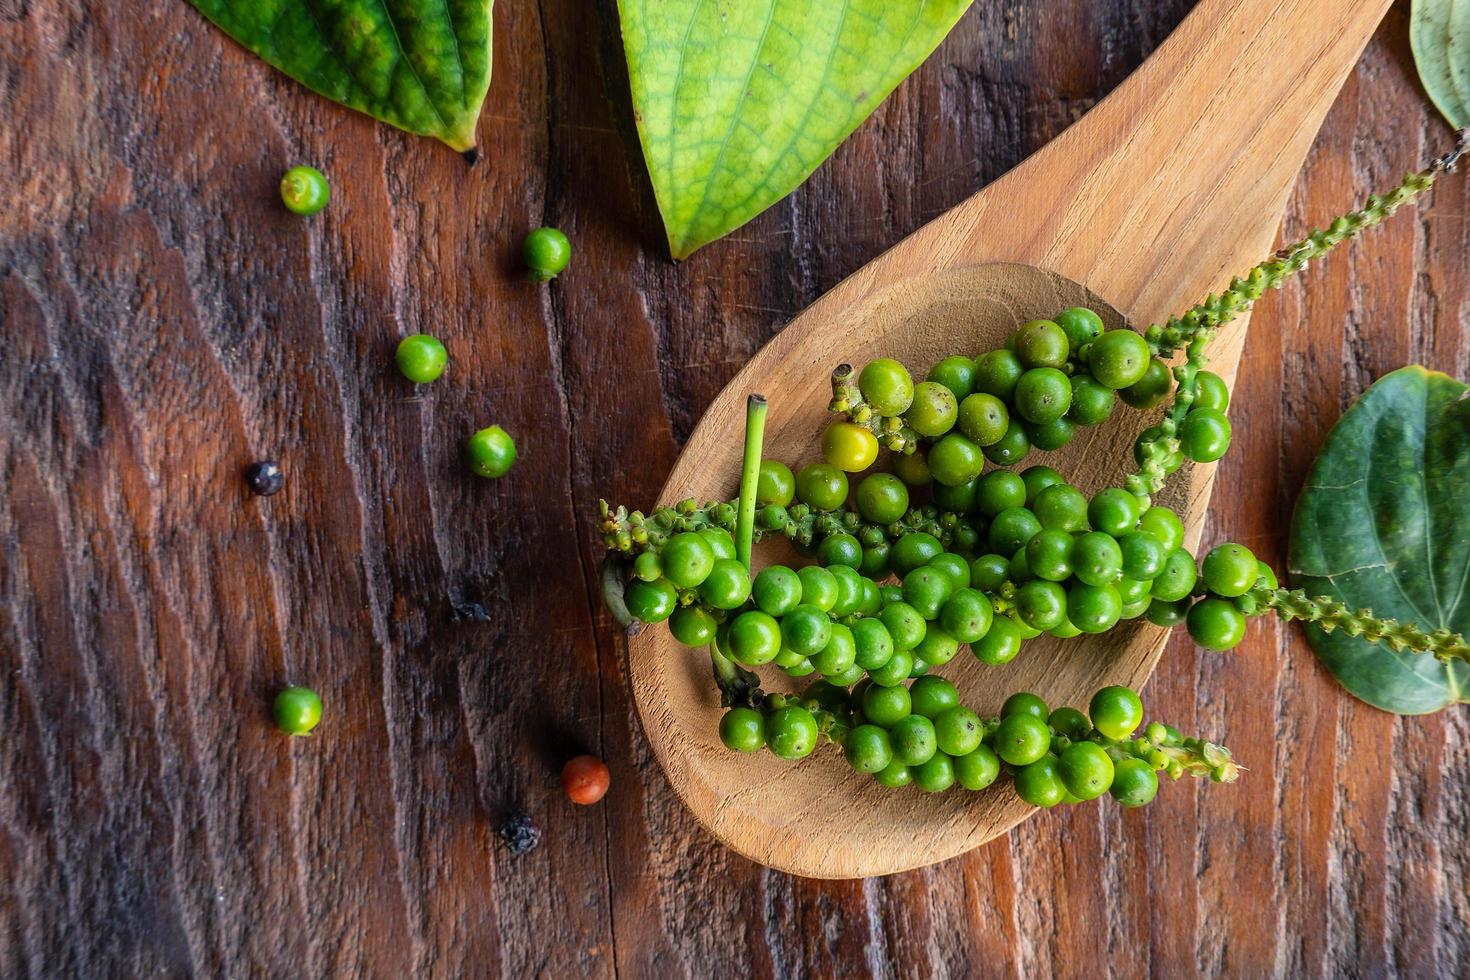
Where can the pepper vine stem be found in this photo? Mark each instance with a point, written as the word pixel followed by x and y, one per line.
pixel 750 472
pixel 1330 615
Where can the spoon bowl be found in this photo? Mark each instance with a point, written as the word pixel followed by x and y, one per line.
pixel 1171 185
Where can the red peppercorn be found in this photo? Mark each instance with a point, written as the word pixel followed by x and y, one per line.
pixel 585 779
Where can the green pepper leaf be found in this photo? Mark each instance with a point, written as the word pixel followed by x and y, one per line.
pixel 1384 523
pixel 737 103
pixel 1439 33
pixel 420 66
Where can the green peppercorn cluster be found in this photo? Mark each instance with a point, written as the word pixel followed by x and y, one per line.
pixel 940 554
pixel 923 736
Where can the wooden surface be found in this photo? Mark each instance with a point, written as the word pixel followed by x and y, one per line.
pixel 1115 204
pixel 165 323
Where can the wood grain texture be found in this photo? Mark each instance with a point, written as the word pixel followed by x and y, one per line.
pixel 1112 215
pixel 165 322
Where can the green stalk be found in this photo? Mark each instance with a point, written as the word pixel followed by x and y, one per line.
pixel 1331 614
pixel 750 472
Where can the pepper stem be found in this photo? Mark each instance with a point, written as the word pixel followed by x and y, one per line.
pixel 750 472
pixel 1330 614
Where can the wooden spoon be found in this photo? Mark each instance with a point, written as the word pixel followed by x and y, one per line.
pixel 1170 186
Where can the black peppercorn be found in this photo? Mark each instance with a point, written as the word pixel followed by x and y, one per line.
pixel 520 834
pixel 265 477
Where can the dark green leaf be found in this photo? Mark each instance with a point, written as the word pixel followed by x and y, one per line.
pixel 1384 523
pixel 420 65
pixel 1439 33
pixel 737 103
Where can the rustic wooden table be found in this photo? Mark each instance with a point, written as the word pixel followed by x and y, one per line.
pixel 165 322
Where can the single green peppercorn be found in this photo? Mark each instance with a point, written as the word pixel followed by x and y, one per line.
pixel 775 485
pixel 546 252
pixel 491 452
pixel 421 358
pixel 304 190
pixel 297 710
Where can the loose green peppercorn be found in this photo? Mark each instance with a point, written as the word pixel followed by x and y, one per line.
pixel 546 252
pixel 1118 358
pixel 1116 711
pixel 421 358
pixel 997 372
pixel 821 486
pixel 791 732
pixel 882 498
pixel 1000 644
pixel 983 418
pixel 304 190
pixel 1134 783
pixel 886 386
pixel 956 373
pixel 932 695
pixel 491 452
pixel 1216 624
pixel 297 710
pixel 743 730
pixel 1021 739
pixel 1205 435
pixel 650 602
pixel 775 485
pixel 850 447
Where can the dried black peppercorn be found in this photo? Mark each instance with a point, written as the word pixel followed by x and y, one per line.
pixel 265 477
pixel 520 834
